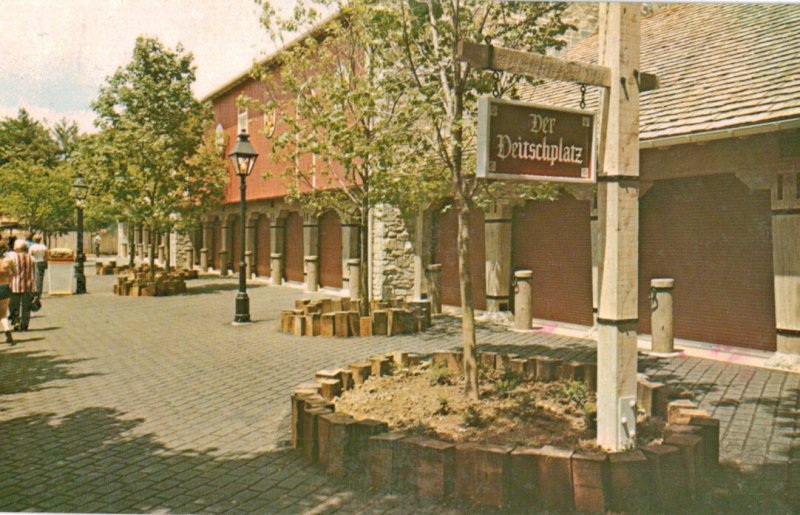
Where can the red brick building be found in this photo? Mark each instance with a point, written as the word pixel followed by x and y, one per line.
pixel 719 202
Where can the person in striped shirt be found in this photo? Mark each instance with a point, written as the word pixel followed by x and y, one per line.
pixel 23 286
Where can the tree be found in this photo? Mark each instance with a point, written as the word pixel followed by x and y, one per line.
pixel 152 127
pixel 26 140
pixel 448 92
pixel 346 144
pixel 34 183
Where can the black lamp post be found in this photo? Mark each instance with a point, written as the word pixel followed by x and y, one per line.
pixel 79 191
pixel 244 158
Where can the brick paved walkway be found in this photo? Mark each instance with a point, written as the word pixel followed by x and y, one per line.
pixel 160 405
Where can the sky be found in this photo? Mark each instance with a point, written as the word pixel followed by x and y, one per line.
pixel 55 54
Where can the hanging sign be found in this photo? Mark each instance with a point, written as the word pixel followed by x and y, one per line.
pixel 521 141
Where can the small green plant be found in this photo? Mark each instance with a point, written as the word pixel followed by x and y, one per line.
pixel 575 392
pixel 439 374
pixel 507 382
pixel 444 406
pixel 472 417
pixel 525 405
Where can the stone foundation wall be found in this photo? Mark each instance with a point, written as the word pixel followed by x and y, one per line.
pixel 392 254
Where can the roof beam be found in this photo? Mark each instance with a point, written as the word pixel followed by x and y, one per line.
pixel 488 57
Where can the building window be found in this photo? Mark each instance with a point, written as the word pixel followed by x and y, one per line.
pixel 219 138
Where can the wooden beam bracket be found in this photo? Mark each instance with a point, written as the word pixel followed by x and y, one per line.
pixel 489 57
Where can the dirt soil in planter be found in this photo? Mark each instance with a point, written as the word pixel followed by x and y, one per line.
pixel 429 400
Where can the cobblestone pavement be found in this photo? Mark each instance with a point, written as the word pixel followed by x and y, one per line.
pixel 116 404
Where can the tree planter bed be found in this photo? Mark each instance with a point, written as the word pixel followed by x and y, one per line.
pixel 137 283
pixel 660 476
pixel 340 317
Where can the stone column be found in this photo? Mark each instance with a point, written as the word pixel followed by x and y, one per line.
pixel 785 202
pixel 249 247
pixel 523 299
pixel 190 258
pixel 497 227
pixel 618 203
pixel 224 264
pixel 661 315
pixel 311 251
pixel 276 229
pixel 122 240
pixel 434 276
pixel 350 251
pixel 353 269
pixel 139 238
pixel 206 232
pixel 146 239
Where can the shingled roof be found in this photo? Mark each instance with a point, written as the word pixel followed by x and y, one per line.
pixel 721 66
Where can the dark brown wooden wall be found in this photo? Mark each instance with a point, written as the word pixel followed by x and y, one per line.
pixel 330 250
pixel 713 236
pixel 294 247
pixel 446 253
pixel 553 239
pixel 263 250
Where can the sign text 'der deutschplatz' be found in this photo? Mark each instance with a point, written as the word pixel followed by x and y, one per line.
pixel 520 141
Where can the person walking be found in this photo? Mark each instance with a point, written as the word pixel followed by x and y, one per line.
pixel 6 274
pixel 22 286
pixel 97 245
pixel 39 253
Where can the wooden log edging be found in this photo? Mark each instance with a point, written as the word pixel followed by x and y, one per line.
pixel 656 477
pixel 340 318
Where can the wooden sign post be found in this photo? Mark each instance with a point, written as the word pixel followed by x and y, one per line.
pixel 618 213
pixel 618 199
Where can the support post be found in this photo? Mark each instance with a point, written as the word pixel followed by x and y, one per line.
pixel 497 227
pixel 594 228
pixel 311 251
pixel 225 249
pixel 350 251
pixel 419 260
pixel 276 228
pixel 523 299
pixel 250 247
pixel 434 276
pixel 204 247
pixel 661 315
pixel 353 269
pixel 618 195
pixel 785 196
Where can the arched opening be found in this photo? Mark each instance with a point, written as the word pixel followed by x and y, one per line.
pixel 330 250
pixel 294 247
pixel 262 250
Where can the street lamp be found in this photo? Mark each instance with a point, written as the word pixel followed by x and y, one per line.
pixel 244 158
pixel 79 191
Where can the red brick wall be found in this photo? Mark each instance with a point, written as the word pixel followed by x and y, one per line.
pixel 554 240
pixel 446 253
pixel 713 236
pixel 235 253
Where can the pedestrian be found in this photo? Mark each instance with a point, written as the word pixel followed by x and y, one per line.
pixel 6 274
pixel 40 254
pixel 22 286
pixel 97 245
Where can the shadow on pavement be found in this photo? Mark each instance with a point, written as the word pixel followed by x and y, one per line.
pixel 217 287
pixel 28 371
pixel 90 462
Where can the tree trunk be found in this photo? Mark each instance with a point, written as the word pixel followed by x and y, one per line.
pixel 468 311
pixel 132 246
pixel 363 270
pixel 167 256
